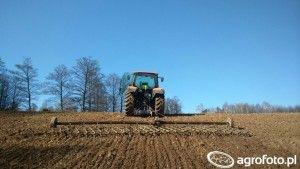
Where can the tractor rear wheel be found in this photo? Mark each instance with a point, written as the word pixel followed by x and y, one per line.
pixel 129 104
pixel 159 106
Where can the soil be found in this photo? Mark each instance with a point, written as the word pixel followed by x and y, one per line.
pixel 27 141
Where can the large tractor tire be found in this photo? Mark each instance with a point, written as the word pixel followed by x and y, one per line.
pixel 159 106
pixel 129 104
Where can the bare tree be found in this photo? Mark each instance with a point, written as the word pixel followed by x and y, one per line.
pixel 267 107
pixel 16 96
pixel 10 93
pixel 86 74
pixel 264 107
pixel 29 85
pixel 4 86
pixel 59 84
pixel 98 96
pixel 123 85
pixel 173 106
pixel 113 86
pixel 200 108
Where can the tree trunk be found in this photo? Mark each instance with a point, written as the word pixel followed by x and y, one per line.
pixel 29 93
pixel 121 103
pixel 61 97
pixel 84 92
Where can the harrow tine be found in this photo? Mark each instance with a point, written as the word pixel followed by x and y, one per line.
pixel 99 130
pixel 76 131
pixel 122 130
pixel 180 129
pixel 171 129
pixel 92 131
pixel 163 130
pixel 195 129
pixel 85 132
pixel 115 131
pixel 67 129
pixel 127 130
pixel 149 129
pixel 141 130
pixel 106 131
pixel 59 129
pixel 146 129
pixel 135 129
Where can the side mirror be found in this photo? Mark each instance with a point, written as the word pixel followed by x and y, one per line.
pixel 162 79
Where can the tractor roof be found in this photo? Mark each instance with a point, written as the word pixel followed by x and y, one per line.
pixel 145 72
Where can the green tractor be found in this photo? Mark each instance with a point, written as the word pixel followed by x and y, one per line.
pixel 143 95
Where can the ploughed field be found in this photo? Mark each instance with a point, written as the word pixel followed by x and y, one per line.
pixel 27 141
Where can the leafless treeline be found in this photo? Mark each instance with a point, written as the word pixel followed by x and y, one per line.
pixel 80 88
pixel 264 107
pixel 18 87
pixel 173 106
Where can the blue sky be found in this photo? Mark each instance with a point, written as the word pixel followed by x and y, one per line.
pixel 209 52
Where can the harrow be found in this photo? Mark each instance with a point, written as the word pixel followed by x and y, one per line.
pixel 157 125
pixel 158 121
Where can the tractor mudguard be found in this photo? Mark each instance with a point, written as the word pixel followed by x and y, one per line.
pixel 131 89
pixel 158 91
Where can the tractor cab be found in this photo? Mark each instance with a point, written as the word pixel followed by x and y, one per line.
pixel 144 94
pixel 145 80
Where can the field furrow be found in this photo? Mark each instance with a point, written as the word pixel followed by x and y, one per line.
pixel 26 141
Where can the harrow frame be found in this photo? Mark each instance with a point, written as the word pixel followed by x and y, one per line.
pixel 156 122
